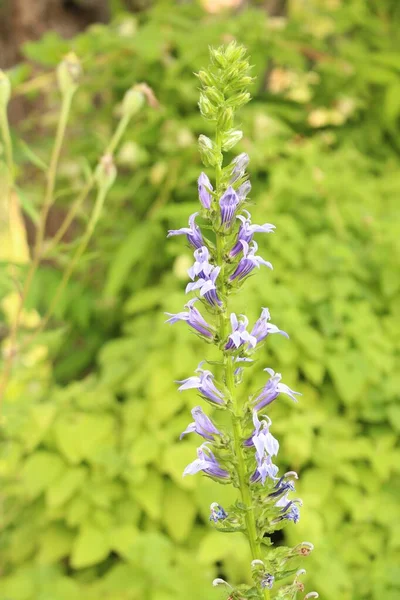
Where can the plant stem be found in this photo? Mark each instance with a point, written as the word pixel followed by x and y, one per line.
pixel 5 132
pixel 48 201
pixel 242 473
pixel 122 125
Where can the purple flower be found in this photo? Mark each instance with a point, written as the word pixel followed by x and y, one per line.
pixel 217 512
pixel 205 187
pixel 272 389
pixel 192 232
pixel 201 266
pixel 262 327
pixel 267 581
pixel 264 470
pixel 207 287
pixel 249 261
pixel 289 511
pixel 201 425
pixel 246 232
pixel 204 383
pixel 283 486
pixel 206 462
pixel 243 190
pixel 239 335
pixel 228 204
pixel 262 439
pixel 194 318
pixel 239 165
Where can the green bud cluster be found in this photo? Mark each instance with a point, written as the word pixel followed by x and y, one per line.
pixel 224 89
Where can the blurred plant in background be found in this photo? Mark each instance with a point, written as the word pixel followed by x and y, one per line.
pixel 93 504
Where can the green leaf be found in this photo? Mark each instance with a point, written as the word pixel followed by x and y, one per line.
pixel 179 512
pixel 40 470
pixel 64 487
pixel 90 547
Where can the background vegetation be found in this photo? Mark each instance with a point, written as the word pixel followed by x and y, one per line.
pixel 93 504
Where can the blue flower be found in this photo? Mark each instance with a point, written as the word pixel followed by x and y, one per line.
pixel 228 204
pixel 206 462
pixel 267 581
pixel 262 327
pixel 192 232
pixel 272 389
pixel 290 510
pixel 265 469
pixel 204 383
pixel 205 188
pixel 217 512
pixel 249 261
pixel 207 287
pixel 262 439
pixel 201 425
pixel 201 267
pixel 247 230
pixel 240 335
pixel 194 318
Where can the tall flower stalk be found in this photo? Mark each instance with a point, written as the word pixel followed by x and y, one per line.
pixel 225 255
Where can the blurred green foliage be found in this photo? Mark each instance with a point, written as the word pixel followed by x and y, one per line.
pixel 93 501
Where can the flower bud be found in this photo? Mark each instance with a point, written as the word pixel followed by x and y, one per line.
pixel 132 101
pixel 106 172
pixel 225 119
pixel 214 95
pixel 217 58
pixel 69 73
pixel 205 78
pixel 5 89
pixel 206 108
pixel 231 138
pixel 209 154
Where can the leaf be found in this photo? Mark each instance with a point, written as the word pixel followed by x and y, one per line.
pixel 40 470
pixel 64 487
pixel 55 543
pixel 134 248
pixel 178 512
pixel 90 547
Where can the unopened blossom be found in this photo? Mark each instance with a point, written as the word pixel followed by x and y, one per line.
pixel 244 190
pixel 249 261
pixel 267 581
pixel 205 187
pixel 239 165
pixel 262 327
pixel 228 203
pixel 207 287
pixel 240 335
pixel 202 425
pixel 194 318
pixel 272 389
pixel 192 232
pixel 247 230
pixel 217 513
pixel 205 384
pixel 206 462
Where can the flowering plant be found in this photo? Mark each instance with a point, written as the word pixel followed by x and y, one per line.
pixel 224 259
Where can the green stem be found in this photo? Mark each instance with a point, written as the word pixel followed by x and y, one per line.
pixel 242 472
pixel 101 195
pixel 5 132
pixel 110 149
